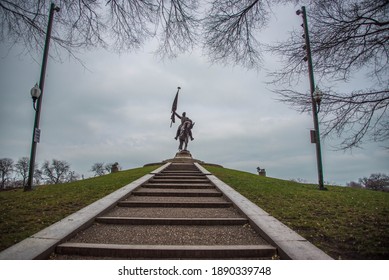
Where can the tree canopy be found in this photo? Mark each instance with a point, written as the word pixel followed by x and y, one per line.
pixel 347 37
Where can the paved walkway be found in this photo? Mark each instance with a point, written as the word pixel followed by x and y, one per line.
pixel 177 214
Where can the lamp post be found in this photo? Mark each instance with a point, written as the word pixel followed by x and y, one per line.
pixel 37 94
pixel 315 98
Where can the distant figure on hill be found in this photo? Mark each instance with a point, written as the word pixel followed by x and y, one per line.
pixel 115 167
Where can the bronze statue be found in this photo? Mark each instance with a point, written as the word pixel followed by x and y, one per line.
pixel 184 121
pixel 184 130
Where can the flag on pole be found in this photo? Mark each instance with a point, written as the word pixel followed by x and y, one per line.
pixel 174 108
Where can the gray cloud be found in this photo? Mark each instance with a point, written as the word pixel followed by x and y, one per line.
pixel 118 109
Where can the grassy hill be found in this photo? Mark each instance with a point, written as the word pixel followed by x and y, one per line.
pixel 346 223
pixel 25 213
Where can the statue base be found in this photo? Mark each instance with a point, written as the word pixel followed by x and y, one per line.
pixel 184 156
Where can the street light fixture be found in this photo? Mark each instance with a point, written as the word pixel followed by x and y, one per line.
pixel 316 96
pixel 37 94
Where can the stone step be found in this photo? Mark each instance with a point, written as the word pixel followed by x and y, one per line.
pixel 177 192
pixel 175 204
pixel 174 212
pixel 194 169
pixel 186 175
pixel 171 221
pixel 182 172
pixel 178 175
pixel 178 186
pixel 172 199
pixel 169 235
pixel 167 177
pixel 182 166
pixel 177 214
pixel 179 181
pixel 166 251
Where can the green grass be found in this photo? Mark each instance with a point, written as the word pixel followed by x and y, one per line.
pixel 25 213
pixel 346 223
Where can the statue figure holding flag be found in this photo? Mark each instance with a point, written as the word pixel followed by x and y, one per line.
pixel 185 121
pixel 184 131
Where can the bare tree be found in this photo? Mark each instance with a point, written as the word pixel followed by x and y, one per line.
pixel 78 25
pixel 179 24
pixel 6 169
pixel 21 167
pixel 229 31
pixel 56 172
pixel 346 37
pixel 376 182
pixel 98 168
pixel 108 167
pixel 352 116
pixel 123 24
pixel 72 176
pixel 38 175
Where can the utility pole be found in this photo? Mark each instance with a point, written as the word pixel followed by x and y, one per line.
pixel 36 130
pixel 315 100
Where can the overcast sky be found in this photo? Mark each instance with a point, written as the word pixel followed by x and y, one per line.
pixel 118 110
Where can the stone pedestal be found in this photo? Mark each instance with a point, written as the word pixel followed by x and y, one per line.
pixel 183 156
pixel 262 172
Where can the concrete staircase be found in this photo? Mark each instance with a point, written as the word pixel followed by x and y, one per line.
pixel 177 214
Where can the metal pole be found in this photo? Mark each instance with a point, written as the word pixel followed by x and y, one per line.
pixel 36 131
pixel 314 105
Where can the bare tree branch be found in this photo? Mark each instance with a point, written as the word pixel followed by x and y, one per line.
pixel 179 24
pixel 130 22
pixel 346 37
pixel 352 117
pixel 84 24
pixel 229 31
pixel 56 172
